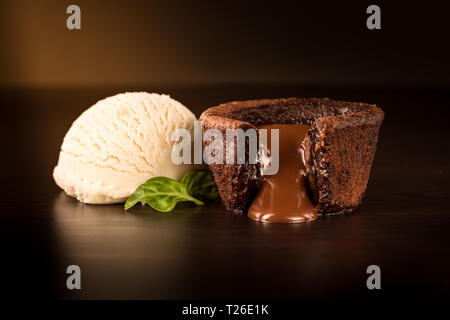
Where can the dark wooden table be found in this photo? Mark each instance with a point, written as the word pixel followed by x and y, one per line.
pixel 403 225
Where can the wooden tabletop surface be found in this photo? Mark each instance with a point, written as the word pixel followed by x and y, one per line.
pixel 403 225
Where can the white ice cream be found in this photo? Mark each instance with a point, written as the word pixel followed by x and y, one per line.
pixel 118 144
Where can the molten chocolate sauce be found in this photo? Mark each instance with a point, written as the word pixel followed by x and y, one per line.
pixel 283 197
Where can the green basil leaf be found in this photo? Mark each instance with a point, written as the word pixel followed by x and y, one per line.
pixel 200 184
pixel 161 194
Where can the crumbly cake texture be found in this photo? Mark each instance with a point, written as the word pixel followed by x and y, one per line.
pixel 339 148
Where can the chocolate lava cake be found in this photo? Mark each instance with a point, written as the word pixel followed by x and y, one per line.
pixel 339 148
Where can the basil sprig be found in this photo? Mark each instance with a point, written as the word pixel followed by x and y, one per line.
pixel 201 184
pixel 163 194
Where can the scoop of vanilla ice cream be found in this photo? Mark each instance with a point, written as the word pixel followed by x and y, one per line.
pixel 118 144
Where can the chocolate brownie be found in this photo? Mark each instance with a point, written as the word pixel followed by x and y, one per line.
pixel 339 148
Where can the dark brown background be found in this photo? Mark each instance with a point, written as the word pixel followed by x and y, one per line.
pixel 202 54
pixel 136 42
